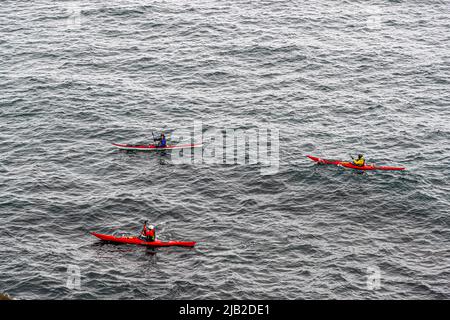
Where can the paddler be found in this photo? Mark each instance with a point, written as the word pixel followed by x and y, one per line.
pixel 162 141
pixel 360 161
pixel 148 232
pixel 163 144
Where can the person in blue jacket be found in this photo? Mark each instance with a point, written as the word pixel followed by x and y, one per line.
pixel 162 141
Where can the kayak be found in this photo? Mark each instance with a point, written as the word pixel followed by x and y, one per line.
pixel 350 165
pixel 136 240
pixel 152 147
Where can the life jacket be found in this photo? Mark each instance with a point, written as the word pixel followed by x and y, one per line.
pixel 163 142
pixel 147 233
pixel 150 233
pixel 359 162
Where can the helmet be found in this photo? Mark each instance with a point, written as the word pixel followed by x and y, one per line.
pixel 151 227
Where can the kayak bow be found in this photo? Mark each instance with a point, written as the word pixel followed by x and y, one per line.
pixel 137 241
pixel 347 164
pixel 151 147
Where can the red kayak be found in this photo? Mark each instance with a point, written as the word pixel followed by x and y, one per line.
pixel 347 164
pixel 136 240
pixel 151 147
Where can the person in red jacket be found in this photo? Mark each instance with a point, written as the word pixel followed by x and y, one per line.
pixel 148 232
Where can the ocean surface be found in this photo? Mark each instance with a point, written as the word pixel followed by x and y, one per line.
pixel 333 78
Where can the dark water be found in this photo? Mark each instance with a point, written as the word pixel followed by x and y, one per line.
pixel 335 77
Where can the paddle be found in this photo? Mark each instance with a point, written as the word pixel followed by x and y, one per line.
pixel 349 161
pixel 155 140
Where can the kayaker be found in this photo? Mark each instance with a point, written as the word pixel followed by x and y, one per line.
pixel 148 232
pixel 163 144
pixel 360 161
pixel 162 141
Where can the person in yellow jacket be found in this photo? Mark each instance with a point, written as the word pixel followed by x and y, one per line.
pixel 360 161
